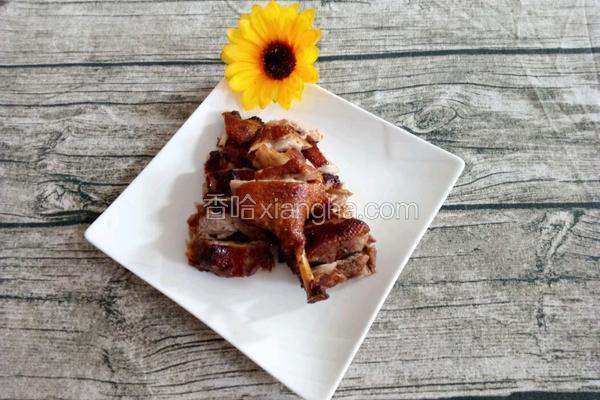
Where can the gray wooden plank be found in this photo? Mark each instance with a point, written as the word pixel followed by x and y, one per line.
pixel 501 295
pixel 467 316
pixel 58 32
pixel 526 125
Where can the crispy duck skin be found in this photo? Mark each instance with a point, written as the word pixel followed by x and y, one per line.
pixel 226 246
pixel 335 239
pixel 314 155
pixel 353 266
pixel 289 204
pixel 229 258
pixel 238 131
pixel 279 167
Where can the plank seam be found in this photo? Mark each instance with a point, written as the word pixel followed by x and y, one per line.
pixel 330 58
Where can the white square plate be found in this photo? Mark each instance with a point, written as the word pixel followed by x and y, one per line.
pixel 308 347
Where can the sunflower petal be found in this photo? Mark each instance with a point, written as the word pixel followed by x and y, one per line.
pixel 243 80
pixel 308 73
pixel 259 23
pixel 298 89
pixel 266 93
pixel 234 35
pixel 309 55
pixel 249 98
pixel 238 66
pixel 249 33
pixel 313 36
pixel 283 24
pixel 238 52
pixel 237 37
pixel 296 86
pixel 260 28
pixel 284 95
pixel 272 11
pixel 309 14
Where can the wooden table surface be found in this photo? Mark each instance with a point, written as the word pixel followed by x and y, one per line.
pixel 503 293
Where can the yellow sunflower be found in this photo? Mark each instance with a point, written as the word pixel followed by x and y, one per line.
pixel 272 54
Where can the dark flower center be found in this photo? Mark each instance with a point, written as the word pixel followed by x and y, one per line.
pixel 278 60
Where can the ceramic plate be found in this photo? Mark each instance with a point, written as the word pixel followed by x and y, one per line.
pixel 399 183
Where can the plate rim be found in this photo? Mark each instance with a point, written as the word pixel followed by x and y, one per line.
pixel 89 235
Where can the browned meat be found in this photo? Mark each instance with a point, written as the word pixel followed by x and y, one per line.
pixel 335 239
pixel 314 155
pixel 338 197
pixel 295 168
pixel 288 204
pixel 218 182
pixel 269 148
pixel 311 136
pixel 216 162
pixel 280 136
pixel 265 156
pixel 218 228
pixel 282 180
pixel 237 156
pixel 229 258
pixel 238 131
pixel 227 158
pixel 212 247
pixel 331 181
pixel 353 266
pixel 224 226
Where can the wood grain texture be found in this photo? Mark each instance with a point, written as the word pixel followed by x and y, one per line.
pixel 457 322
pixel 57 32
pixel 526 125
pixel 501 296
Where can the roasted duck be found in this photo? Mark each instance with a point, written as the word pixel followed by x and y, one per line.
pixel 277 193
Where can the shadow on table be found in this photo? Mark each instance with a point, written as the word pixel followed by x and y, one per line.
pixel 184 192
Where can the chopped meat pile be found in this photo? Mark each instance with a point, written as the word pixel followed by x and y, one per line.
pixel 270 190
